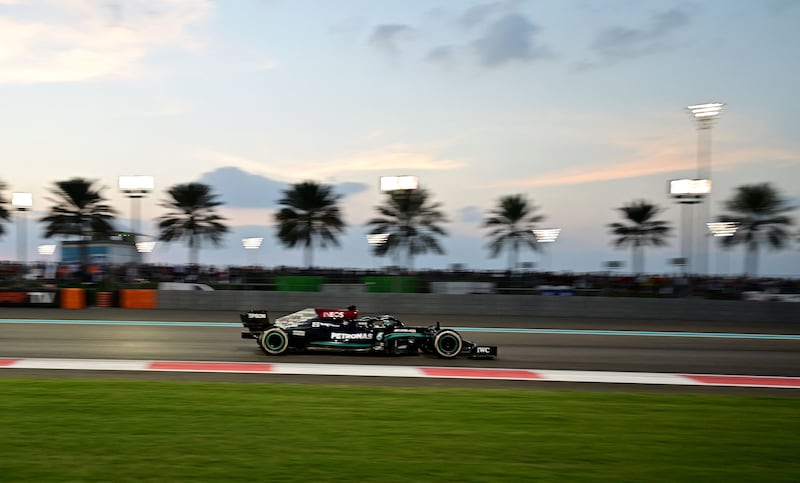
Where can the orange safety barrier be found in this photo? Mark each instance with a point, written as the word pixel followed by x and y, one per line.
pixel 137 298
pixel 73 298
pixel 103 299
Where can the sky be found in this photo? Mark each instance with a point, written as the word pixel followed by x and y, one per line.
pixel 579 105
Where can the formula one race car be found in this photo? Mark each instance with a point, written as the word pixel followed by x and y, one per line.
pixel 345 330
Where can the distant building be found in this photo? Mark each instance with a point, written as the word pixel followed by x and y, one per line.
pixel 105 252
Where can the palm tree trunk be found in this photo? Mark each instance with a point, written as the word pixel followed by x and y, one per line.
pixel 637 258
pixel 308 256
pixel 640 257
pixel 751 260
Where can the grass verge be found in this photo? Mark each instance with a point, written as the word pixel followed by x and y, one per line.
pixel 148 431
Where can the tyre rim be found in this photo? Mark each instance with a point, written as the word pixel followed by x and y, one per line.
pixel 274 341
pixel 448 344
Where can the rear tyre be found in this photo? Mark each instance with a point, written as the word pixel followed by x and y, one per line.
pixel 274 341
pixel 447 344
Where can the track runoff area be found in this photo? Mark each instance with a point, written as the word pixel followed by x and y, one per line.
pixel 359 370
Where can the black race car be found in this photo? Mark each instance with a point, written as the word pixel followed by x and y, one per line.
pixel 345 330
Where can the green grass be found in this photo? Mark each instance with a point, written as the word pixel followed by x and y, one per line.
pixel 146 431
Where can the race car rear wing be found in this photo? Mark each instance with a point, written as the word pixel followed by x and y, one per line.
pixel 255 321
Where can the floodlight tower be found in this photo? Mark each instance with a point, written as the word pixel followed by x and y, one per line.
pixel 251 245
pixel 144 247
pixel 704 115
pixel 723 229
pixel 398 183
pixel 377 240
pixel 547 235
pixel 46 250
pixel 688 192
pixel 135 188
pixel 22 202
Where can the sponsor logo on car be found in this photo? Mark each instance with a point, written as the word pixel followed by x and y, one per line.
pixel 483 350
pixel 405 331
pixel 332 315
pixel 345 336
pixel 299 333
pixel 256 316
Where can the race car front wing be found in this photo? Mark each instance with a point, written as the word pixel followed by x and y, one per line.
pixel 476 351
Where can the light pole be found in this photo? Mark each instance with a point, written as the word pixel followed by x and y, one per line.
pixel 688 192
pixel 399 183
pixel 705 115
pixel 22 202
pixel 135 188
pixel 251 245
pixel 376 240
pixel 49 269
pixel 723 229
pixel 144 247
pixel 46 250
pixel 547 235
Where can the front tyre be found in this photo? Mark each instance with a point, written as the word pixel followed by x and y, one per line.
pixel 274 341
pixel 447 344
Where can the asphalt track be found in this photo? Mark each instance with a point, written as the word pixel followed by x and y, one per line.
pixel 754 348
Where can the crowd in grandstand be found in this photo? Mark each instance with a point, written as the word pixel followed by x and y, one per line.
pixel 516 282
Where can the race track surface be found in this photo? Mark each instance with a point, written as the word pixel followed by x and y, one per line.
pixel 524 343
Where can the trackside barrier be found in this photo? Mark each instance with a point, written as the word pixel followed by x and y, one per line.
pixel 395 284
pixel 486 305
pixel 299 283
pixel 104 299
pixel 138 299
pixel 73 298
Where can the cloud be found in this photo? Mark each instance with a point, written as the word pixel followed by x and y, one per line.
pixel 350 188
pixel 505 36
pixel 479 14
pixel 165 108
pixel 265 64
pixel 392 157
pixel 621 43
pixel 470 214
pixel 780 6
pixel 656 157
pixel 240 189
pixel 510 38
pixel 78 40
pixel 386 37
pixel 441 55
pixel 385 159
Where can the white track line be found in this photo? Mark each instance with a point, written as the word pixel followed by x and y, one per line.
pixel 404 371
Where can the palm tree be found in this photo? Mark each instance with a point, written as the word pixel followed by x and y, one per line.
pixel 4 213
pixel 411 222
pixel 192 217
pixel 760 214
pixel 512 223
pixel 309 212
pixel 642 231
pixel 79 209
